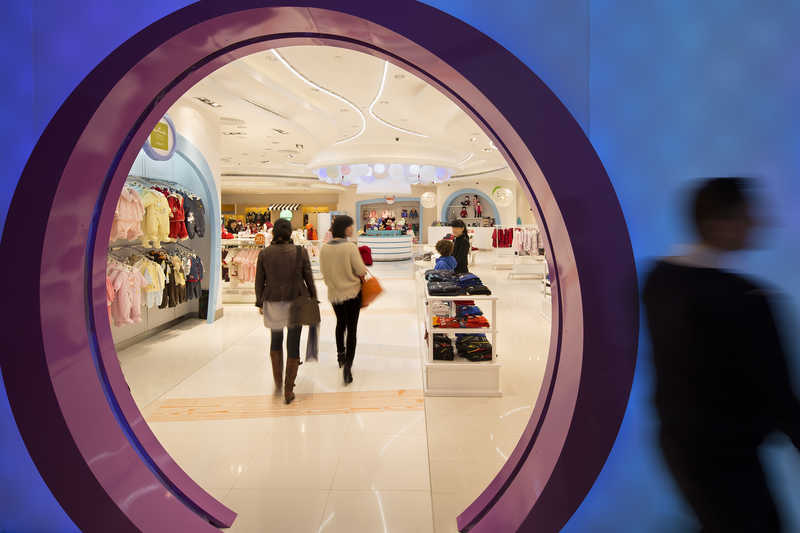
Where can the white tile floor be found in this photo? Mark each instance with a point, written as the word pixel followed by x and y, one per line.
pixel 370 471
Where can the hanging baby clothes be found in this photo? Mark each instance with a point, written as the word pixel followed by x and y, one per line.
pixel 156 219
pixel 128 284
pixel 193 279
pixel 180 279
pixel 154 274
pixel 128 216
pixel 110 296
pixel 177 223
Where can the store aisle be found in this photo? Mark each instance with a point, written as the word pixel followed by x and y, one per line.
pixel 338 459
pixel 370 457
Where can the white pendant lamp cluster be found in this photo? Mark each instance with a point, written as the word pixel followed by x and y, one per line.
pixel 368 173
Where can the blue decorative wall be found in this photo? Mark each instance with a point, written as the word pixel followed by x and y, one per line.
pixel 666 91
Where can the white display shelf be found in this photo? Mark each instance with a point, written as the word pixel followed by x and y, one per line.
pixel 462 330
pixel 459 377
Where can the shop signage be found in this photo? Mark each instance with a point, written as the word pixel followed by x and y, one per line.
pixel 287 214
pixel 160 144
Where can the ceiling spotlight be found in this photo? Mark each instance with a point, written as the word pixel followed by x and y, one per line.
pixel 208 101
pixel 384 102
pixel 473 139
pixel 280 131
pixel 264 162
pixel 399 76
pixel 486 149
pixel 299 146
pixel 290 156
pixel 275 142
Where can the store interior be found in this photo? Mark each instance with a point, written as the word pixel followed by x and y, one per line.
pixel 445 380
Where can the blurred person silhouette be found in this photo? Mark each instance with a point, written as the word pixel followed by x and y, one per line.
pixel 722 381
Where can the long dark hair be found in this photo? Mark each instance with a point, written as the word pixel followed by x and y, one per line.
pixel 458 223
pixel 282 231
pixel 340 225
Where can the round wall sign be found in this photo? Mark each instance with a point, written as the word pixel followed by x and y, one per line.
pixel 287 214
pixel 160 144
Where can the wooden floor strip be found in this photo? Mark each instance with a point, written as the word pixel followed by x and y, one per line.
pixel 324 403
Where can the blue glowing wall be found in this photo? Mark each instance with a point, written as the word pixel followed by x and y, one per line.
pixel 666 91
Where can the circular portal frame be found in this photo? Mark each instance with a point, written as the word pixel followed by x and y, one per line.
pixel 78 420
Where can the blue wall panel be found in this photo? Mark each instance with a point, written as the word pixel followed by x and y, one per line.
pixel 678 90
pixel 666 90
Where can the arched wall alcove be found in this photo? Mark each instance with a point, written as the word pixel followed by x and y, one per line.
pixel 79 421
pixel 488 203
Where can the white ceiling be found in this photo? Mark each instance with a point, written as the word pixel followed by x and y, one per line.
pixel 275 124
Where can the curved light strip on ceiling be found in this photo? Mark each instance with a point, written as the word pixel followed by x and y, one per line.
pixel 464 161
pixel 375 101
pixel 329 93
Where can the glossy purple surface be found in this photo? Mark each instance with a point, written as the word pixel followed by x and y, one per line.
pixel 64 382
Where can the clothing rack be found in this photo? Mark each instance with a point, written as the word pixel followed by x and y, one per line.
pixel 154 182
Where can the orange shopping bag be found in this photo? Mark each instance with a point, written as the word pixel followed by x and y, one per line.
pixel 370 289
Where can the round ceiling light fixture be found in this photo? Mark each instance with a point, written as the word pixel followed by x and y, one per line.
pixel 428 200
pixel 368 172
pixel 502 196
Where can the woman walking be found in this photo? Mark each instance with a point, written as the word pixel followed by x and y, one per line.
pixel 460 246
pixel 283 273
pixel 343 270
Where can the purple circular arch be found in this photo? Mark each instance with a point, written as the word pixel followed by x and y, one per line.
pixel 79 422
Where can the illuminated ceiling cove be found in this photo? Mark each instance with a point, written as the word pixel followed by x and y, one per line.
pixel 290 112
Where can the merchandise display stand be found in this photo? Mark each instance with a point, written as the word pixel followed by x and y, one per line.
pixel 459 377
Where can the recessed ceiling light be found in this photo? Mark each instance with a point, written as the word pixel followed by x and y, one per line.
pixel 265 162
pixel 278 130
pixel 290 156
pixel 487 149
pixel 473 139
pixel 299 146
pixel 384 102
pixel 275 142
pixel 399 76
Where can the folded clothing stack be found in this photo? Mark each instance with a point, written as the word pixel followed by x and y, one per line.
pixel 446 322
pixel 469 280
pixel 468 310
pixel 464 322
pixel 472 284
pixel 474 347
pixel 479 290
pixel 443 347
pixel 440 275
pixel 444 288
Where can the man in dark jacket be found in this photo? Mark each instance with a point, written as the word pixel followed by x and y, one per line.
pixel 721 376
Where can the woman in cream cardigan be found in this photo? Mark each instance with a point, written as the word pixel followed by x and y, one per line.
pixel 343 271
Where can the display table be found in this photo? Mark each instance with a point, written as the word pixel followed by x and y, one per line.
pixel 388 246
pixel 459 377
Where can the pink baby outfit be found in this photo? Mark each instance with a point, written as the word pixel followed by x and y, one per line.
pixel 128 216
pixel 128 284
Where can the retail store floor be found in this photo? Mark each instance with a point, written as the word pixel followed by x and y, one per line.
pixel 374 456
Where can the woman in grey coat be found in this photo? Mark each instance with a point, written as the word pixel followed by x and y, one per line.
pixel 281 276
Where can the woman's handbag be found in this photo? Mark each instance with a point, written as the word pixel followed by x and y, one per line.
pixel 304 310
pixel 370 289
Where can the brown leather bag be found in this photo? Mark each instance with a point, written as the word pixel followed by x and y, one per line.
pixel 304 310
